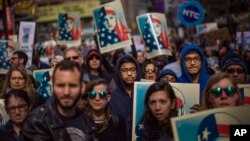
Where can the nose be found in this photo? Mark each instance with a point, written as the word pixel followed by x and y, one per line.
pixel 223 94
pixel 157 106
pixel 66 90
pixel 17 111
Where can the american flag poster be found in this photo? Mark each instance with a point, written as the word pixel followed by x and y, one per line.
pixel 7 48
pixel 112 30
pixel 46 48
pixel 153 30
pixel 245 93
pixel 44 77
pixel 209 125
pixel 69 28
pixel 187 95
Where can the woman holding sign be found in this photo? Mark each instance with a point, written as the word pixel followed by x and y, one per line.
pixel 160 106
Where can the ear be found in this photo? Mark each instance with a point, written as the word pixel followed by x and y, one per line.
pixel 21 60
pixel 173 104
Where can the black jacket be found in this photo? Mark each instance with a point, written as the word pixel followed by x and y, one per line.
pixel 45 124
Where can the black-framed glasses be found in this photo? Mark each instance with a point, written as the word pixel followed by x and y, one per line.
pixel 14 58
pixel 195 59
pixel 232 71
pixel 92 94
pixel 150 70
pixel 72 58
pixel 94 57
pixel 22 108
pixel 229 90
pixel 126 70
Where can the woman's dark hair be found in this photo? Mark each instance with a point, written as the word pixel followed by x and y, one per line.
pixel 17 93
pixel 148 117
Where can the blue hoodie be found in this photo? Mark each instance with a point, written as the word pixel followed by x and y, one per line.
pixel 203 76
pixel 121 103
pixel 166 71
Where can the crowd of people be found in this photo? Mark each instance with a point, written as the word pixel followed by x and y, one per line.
pixel 92 95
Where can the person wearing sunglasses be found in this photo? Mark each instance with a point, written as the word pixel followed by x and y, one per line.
pixel 149 70
pixel 110 127
pixel 94 70
pixel 235 66
pixel 17 106
pixel 73 54
pixel 159 107
pixel 221 91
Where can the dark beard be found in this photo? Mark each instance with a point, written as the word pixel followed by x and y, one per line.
pixel 68 106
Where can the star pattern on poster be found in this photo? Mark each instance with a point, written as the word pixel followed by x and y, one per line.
pixel 63 33
pixel 106 36
pixel 4 63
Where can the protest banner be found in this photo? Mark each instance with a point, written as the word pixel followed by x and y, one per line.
pixel 26 39
pixel 187 95
pixel 153 30
pixel 112 30
pixel 70 31
pixel 44 77
pixel 221 34
pixel 46 48
pixel 209 125
pixel 245 93
pixel 7 48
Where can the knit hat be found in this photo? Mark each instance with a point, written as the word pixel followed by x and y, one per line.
pixel 232 59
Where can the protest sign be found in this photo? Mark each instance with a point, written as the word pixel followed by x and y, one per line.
pixel 153 30
pixel 187 95
pixel 112 30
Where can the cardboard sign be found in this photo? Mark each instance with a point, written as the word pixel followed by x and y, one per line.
pixel 221 34
pixel 153 30
pixel 209 125
pixel 187 95
pixel 112 30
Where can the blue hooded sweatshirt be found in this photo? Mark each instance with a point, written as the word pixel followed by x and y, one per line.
pixel 121 103
pixel 203 75
pixel 165 72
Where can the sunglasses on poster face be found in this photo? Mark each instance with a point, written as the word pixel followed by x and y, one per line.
pixel 92 94
pixel 229 90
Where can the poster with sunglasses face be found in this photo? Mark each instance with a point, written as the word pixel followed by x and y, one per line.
pixel 7 48
pixel 245 93
pixel 69 29
pixel 209 125
pixel 187 95
pixel 112 30
pixel 44 78
pixel 153 30
pixel 46 48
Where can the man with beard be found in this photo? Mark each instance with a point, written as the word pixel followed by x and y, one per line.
pixel 127 71
pixel 194 67
pixel 59 119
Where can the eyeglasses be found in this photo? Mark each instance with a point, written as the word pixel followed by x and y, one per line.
pixel 229 90
pixel 21 108
pixel 232 71
pixel 195 59
pixel 151 70
pixel 92 94
pixel 126 70
pixel 72 58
